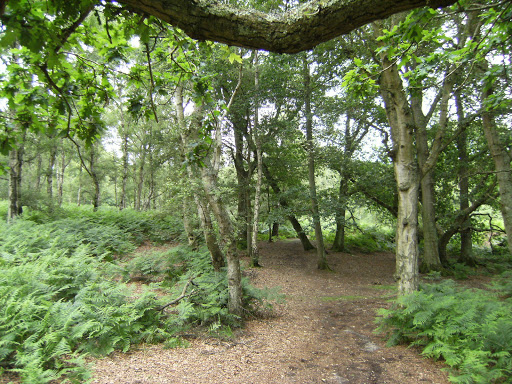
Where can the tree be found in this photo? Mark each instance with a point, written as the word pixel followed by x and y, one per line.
pixel 310 145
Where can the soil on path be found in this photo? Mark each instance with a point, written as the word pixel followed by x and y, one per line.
pixel 322 333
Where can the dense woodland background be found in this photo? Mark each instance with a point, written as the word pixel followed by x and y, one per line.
pixel 404 123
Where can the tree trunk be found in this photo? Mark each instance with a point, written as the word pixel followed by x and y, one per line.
pixel 79 192
pixel 226 232
pixel 320 249
pixel 339 239
pixel 50 171
pixel 255 254
pixel 15 177
pixel 38 172
pixel 502 160
pixel 242 184
pixel 406 174
pixel 209 185
pixel 95 179
pixel 466 243
pixel 60 175
pixel 125 160
pixel 140 181
pixel 209 235
pixel 431 261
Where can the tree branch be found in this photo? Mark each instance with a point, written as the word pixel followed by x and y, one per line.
pixel 296 30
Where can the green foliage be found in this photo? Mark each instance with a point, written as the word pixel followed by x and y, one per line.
pixel 470 329
pixel 206 294
pixel 57 303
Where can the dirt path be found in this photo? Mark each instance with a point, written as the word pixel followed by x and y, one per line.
pixel 323 333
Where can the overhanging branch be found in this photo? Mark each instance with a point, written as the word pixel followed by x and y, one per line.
pixel 297 30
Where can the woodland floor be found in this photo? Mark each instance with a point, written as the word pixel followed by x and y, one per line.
pixel 322 333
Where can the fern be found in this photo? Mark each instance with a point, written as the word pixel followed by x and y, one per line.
pixel 471 330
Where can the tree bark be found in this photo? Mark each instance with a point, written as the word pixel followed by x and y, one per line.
pixel 15 177
pixel 255 253
pixel 338 244
pixel 125 161
pixel 299 29
pixel 60 175
pixel 406 174
pixel 431 261
pixel 50 172
pixel 502 163
pixel 320 248
pixel 95 179
pixel 466 243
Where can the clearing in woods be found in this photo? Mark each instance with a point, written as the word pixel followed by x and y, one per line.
pixel 322 333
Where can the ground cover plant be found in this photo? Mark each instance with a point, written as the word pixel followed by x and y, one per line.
pixel 61 295
pixel 469 329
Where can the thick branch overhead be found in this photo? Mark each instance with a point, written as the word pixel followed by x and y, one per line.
pixel 289 32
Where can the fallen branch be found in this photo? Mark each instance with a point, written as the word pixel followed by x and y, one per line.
pixel 181 296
